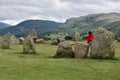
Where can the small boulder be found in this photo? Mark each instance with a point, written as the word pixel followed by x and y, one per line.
pixel 40 41
pixel 64 50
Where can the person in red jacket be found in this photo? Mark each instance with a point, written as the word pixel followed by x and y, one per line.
pixel 89 40
pixel 90 37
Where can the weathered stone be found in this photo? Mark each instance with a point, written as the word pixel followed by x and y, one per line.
pixel 103 45
pixel 6 41
pixel 81 50
pixel 64 50
pixel 28 45
pixel 14 40
pixel 33 34
pixel 77 36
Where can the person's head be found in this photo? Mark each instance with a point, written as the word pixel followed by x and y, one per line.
pixel 90 32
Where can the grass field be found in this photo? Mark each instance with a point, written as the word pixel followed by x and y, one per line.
pixel 14 65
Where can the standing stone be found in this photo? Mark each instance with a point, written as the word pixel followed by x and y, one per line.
pixel 6 41
pixel 14 40
pixel 81 50
pixel 103 45
pixel 77 36
pixel 64 50
pixel 33 34
pixel 28 45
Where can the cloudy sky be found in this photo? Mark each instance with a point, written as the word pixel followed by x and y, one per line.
pixel 15 11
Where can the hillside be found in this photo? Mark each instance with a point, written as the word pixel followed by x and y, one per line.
pixel 22 29
pixel 83 24
pixel 4 25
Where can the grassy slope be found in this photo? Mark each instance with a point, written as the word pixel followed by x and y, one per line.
pixel 90 22
pixel 17 66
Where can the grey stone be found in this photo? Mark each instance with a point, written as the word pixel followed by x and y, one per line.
pixel 14 40
pixel 77 36
pixel 81 50
pixel 40 40
pixel 28 45
pixel 33 34
pixel 65 50
pixel 6 41
pixel 103 45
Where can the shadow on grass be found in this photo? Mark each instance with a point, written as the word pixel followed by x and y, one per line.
pixel 99 59
pixel 29 53
pixel 26 55
pixel 62 56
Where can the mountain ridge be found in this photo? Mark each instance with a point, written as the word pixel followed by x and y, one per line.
pixel 83 24
pixel 23 28
pixel 4 25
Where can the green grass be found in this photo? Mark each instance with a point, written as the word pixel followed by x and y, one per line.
pixel 14 65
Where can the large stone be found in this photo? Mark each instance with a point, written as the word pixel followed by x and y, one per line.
pixel 103 45
pixel 28 45
pixel 64 50
pixel 77 36
pixel 6 41
pixel 81 50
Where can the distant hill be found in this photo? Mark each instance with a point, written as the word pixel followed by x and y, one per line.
pixel 83 24
pixel 4 25
pixel 41 27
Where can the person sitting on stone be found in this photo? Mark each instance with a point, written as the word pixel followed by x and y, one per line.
pixel 89 39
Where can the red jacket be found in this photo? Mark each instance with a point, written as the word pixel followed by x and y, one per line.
pixel 90 38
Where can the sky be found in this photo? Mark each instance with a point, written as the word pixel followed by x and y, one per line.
pixel 15 11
